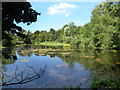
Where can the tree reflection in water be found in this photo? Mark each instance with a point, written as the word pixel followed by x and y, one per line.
pixel 100 63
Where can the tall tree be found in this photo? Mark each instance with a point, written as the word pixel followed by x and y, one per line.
pixel 16 12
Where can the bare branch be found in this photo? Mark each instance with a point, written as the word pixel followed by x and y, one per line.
pixel 24 79
pixel 16 74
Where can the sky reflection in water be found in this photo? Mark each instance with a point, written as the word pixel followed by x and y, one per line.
pixel 64 67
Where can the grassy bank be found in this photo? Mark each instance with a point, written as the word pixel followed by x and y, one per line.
pixel 52 43
pixel 20 44
pixel 44 43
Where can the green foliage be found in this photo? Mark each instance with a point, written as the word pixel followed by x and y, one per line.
pixel 52 43
pixel 51 36
pixel 6 42
pixel 105 83
pixel 16 12
pixel 8 56
pixel 28 40
pixel 102 32
pixel 105 26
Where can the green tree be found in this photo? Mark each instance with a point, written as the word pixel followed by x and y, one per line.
pixel 105 25
pixel 16 12
pixel 28 40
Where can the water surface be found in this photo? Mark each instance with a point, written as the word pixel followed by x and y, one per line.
pixel 65 67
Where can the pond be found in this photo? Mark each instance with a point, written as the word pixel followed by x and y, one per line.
pixel 58 66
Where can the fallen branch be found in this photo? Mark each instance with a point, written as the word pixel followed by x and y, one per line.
pixel 22 79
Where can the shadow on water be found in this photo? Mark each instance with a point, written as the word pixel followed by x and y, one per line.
pixel 86 67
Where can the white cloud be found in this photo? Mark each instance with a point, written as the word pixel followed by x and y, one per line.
pixel 60 8
pixel 67 15
pixel 64 6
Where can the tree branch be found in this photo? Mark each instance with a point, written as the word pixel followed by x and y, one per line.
pixel 24 79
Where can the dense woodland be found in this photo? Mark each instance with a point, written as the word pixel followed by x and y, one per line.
pixel 103 31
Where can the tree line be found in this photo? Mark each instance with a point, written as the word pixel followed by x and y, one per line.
pixel 103 31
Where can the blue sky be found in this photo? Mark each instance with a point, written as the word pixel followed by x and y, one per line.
pixel 57 14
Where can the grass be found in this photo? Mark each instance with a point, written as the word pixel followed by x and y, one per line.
pixel 20 44
pixel 52 43
pixel 45 43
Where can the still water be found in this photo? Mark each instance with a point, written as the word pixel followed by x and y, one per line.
pixel 58 67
